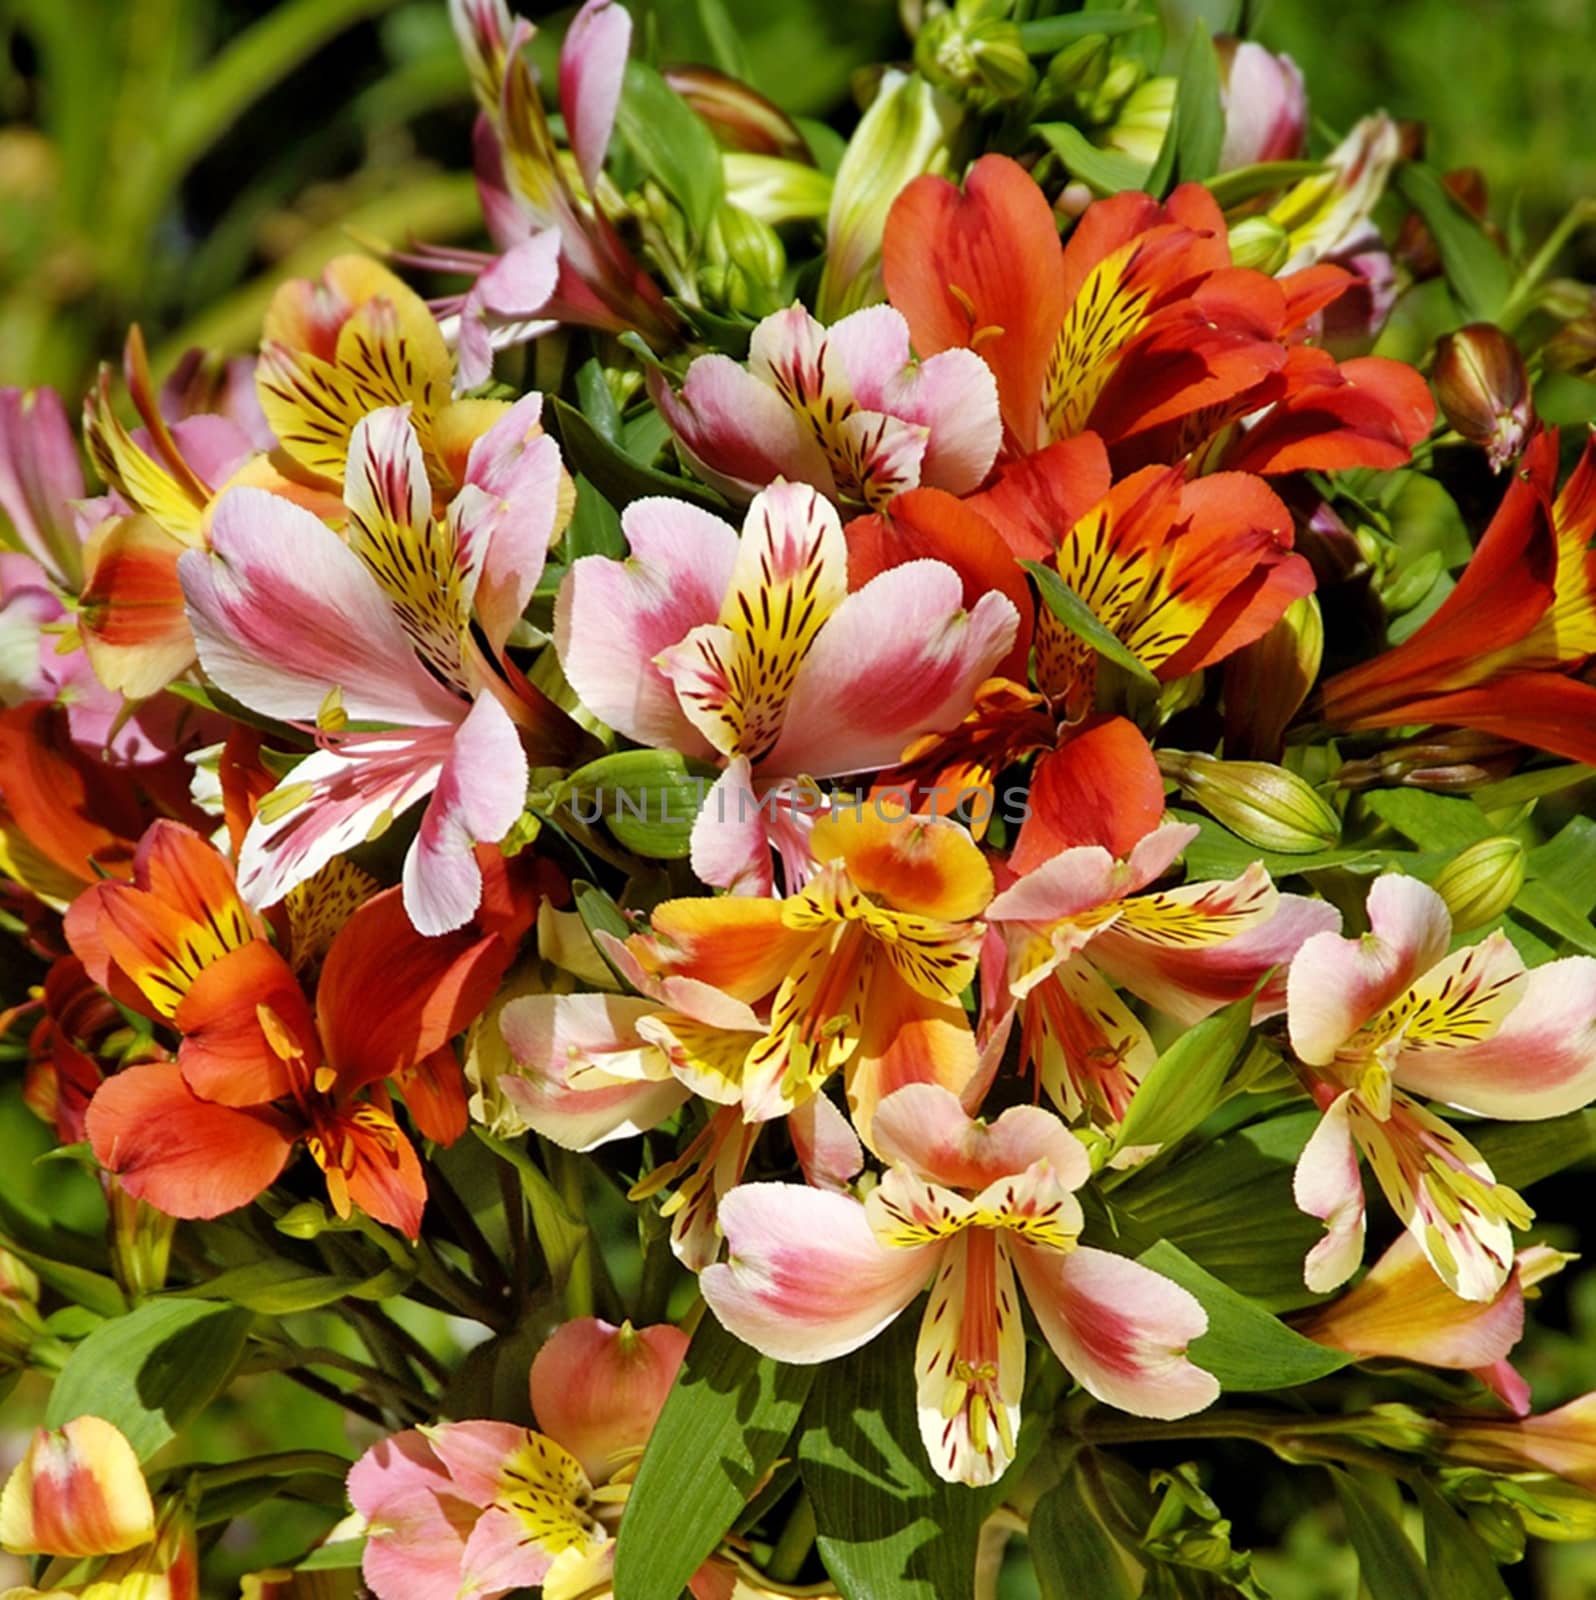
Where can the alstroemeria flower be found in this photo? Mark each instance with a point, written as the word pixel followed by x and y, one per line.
pixel 863 967
pixel 965 1207
pixel 259 1068
pixel 1064 930
pixel 1265 104
pixel 78 1491
pixel 752 650
pixel 479 1508
pixel 291 619
pixel 842 408
pixel 561 259
pixel 1501 652
pixel 1139 329
pixel 1400 1311
pixel 1382 1018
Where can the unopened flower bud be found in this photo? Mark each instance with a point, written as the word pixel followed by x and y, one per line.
pixel 1266 106
pixel 1572 348
pixel 141 1241
pixel 905 133
pixel 1267 681
pixel 1449 763
pixel 597 1389
pixel 1484 390
pixel 1263 804
pixel 776 190
pixel 1259 243
pixel 974 56
pixel 20 1322
pixel 739 117
pixel 1481 883
pixel 78 1491
pixel 1143 121
pixel 746 262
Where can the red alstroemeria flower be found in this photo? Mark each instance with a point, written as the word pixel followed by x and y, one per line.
pixel 260 1069
pixel 1139 329
pixel 1499 654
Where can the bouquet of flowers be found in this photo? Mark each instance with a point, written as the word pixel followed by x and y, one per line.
pixel 862 876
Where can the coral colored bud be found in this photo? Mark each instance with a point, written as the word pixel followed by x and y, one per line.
pixel 597 1389
pixel 906 132
pixel 1484 390
pixel 1481 883
pixel 1264 804
pixel 77 1492
pixel 740 117
pixel 1450 763
pixel 1266 106
pixel 1259 243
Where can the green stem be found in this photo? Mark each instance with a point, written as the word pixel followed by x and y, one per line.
pixel 489 1269
pixel 398 1336
pixel 403 1393
pixel 579 1286
pixel 793 1544
pixel 277 1464
pixel 339 1397
pixel 514 1199
pixel 1580 213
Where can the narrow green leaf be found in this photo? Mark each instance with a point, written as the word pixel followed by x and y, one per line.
pixel 672 144
pixel 561 1234
pixel 1071 1550
pixel 1082 621
pixel 725 1422
pixel 725 42
pixel 1456 1558
pixel 616 476
pixel 1241 184
pixel 1218 853
pixel 1524 786
pixel 1540 902
pixel 1569 862
pixel 1199 121
pixel 338 1556
pixel 1522 1153
pixel 649 799
pixel 887 1524
pixel 1390 1565
pixel 1104 171
pixel 1245 1347
pixel 597 402
pixel 277 1287
pixel 151 1371
pixel 1045 35
pixel 1186 1082
pixel 1474 267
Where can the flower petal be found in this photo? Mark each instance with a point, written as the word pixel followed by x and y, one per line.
pixel 1328 1185
pixel 1120 1329
pixel 417 1520
pixel 592 68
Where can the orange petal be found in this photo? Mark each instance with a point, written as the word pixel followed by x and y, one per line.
pixel 77 1492
pixel 922 865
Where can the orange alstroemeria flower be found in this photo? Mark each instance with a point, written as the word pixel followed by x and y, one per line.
pixel 1139 329
pixel 862 968
pixel 261 1067
pixel 1499 654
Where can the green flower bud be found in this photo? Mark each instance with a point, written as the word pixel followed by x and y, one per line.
pixel 1143 119
pixel 905 132
pixel 1259 243
pixel 20 1322
pixel 776 190
pixel 746 263
pixel 141 1241
pixel 1479 885
pixel 1263 804
pixel 1267 681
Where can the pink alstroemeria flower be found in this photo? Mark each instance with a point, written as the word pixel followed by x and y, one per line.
pixel 291 620
pixel 1382 1018
pixel 752 651
pixel 559 258
pixel 480 1508
pixel 965 1207
pixel 842 408
pixel 1061 932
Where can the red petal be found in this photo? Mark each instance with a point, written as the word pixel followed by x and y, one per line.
pixel 185 1156
pixel 1100 787
pixel 1039 498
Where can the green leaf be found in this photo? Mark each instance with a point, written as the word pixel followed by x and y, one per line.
pixel 1216 852
pixel 1474 267
pixel 1082 621
pixel 1244 1347
pixel 1072 1551
pixel 1431 821
pixel 1241 184
pixel 649 799
pixel 597 402
pixel 726 1420
pixel 1046 35
pixel 278 1287
pixel 1522 1153
pixel 887 1524
pixel 1187 1081
pixel 672 145
pixel 1105 171
pixel 1456 1558
pixel 151 1371
pixel 725 42
pixel 1208 1203
pixel 595 529
pixel 1390 1565
pixel 338 1556
pixel 561 1234
pixel 615 475
pixel 1199 122
pixel 1569 861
